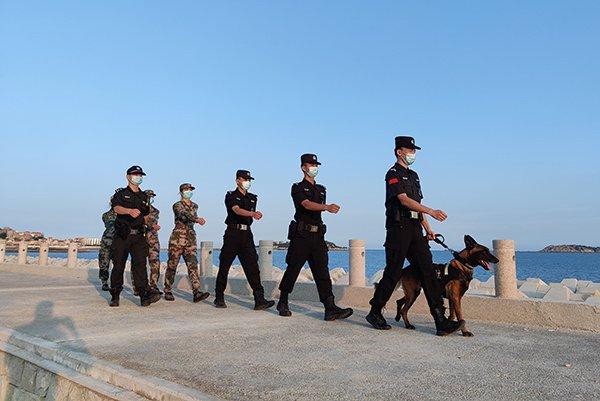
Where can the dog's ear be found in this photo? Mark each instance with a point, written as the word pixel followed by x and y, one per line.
pixel 470 242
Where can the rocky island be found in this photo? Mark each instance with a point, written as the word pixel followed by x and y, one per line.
pixel 570 249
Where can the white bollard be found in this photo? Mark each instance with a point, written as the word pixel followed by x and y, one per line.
pixel 72 255
pixel 265 259
pixel 2 250
pixel 22 257
pixel 356 254
pixel 206 258
pixel 506 270
pixel 44 247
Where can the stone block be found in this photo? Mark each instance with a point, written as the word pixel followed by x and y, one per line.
pixel 42 382
pixel 14 367
pixel 28 377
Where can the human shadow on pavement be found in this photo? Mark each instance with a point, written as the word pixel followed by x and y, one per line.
pixel 23 380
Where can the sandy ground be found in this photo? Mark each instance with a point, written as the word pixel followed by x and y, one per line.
pixel 241 354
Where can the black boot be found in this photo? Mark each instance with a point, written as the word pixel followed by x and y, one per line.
pixel 444 326
pixel 282 305
pixel 260 303
pixel 169 296
pixel 376 319
pixel 105 286
pixel 333 312
pixel 200 296
pixel 219 301
pixel 148 296
pixel 114 300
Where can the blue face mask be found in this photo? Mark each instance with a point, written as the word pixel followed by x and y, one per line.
pixel 410 158
pixel 187 194
pixel 151 201
pixel 136 179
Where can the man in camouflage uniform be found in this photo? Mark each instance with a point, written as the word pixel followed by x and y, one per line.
pixel 108 219
pixel 183 242
pixel 152 228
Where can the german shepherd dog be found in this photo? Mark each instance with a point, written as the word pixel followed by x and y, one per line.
pixel 454 280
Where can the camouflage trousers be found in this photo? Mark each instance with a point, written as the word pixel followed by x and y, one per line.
pixel 153 259
pixel 104 257
pixel 182 244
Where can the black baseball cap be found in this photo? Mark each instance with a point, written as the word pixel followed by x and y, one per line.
pixel 309 158
pixel 186 185
pixel 407 142
pixel 135 170
pixel 245 174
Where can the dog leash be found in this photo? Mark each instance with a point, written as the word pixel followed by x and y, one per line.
pixel 439 239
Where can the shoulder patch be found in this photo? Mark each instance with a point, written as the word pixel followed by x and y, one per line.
pixel 393 181
pixel 119 190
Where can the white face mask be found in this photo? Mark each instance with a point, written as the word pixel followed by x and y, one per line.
pixel 313 171
pixel 136 179
pixel 187 194
pixel 410 158
pixel 246 185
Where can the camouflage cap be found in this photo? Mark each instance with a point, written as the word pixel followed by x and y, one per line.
pixel 186 185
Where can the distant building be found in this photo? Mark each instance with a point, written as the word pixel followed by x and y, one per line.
pixel 91 241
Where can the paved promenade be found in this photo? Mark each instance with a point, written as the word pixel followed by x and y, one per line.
pixel 241 354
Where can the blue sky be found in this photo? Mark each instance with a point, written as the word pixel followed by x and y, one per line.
pixel 502 96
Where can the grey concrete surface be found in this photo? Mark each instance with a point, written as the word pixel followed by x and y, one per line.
pixel 241 354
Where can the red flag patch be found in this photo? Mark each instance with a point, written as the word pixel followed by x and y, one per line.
pixel 393 181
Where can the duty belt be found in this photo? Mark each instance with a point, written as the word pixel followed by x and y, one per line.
pixel 308 227
pixel 241 227
pixel 410 214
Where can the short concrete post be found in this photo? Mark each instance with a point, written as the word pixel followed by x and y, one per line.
pixel 72 255
pixel 506 270
pixel 22 256
pixel 356 254
pixel 206 258
pixel 44 247
pixel 265 259
pixel 2 250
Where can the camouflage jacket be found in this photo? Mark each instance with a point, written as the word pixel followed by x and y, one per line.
pixel 108 219
pixel 185 216
pixel 152 220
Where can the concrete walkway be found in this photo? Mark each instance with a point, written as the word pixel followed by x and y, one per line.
pixel 241 354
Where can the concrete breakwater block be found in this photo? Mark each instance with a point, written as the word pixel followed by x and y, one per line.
pixel 534 288
pixel 376 277
pixel 570 283
pixel 558 292
pixel 594 299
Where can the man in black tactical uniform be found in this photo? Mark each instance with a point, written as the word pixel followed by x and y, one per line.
pixel 405 220
pixel 239 241
pixel 307 241
pixel 131 206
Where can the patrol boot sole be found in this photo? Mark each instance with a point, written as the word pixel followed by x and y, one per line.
pixel 343 314
pixel 267 305
pixel 150 300
pixel 113 304
pixel 373 321
pixel 201 297
pixel 449 330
